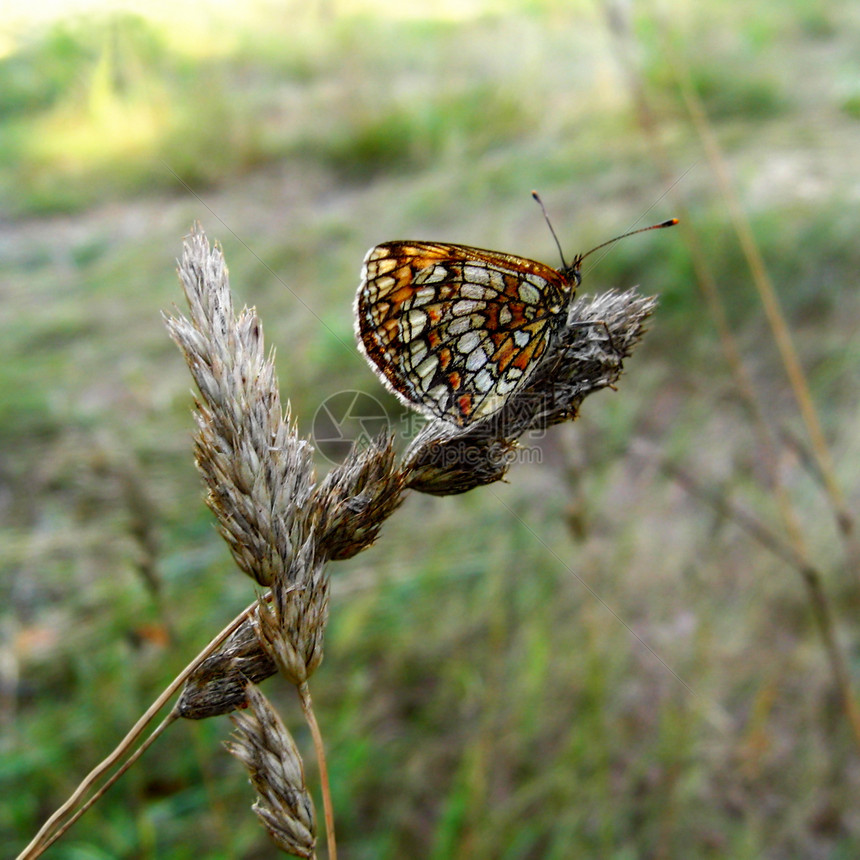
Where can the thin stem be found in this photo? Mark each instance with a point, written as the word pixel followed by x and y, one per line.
pixel 46 834
pixel 792 548
pixel 824 618
pixel 773 310
pixel 713 298
pixel 156 732
pixel 811 576
pixel 307 707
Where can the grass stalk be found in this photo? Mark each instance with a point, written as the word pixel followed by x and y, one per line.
pixel 325 788
pixel 71 810
pixel 773 310
pixel 51 838
pixel 793 549
pixel 811 576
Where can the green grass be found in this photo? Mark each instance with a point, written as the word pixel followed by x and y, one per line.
pixel 421 132
pixel 486 691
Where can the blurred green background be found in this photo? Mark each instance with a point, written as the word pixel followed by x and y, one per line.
pixel 583 662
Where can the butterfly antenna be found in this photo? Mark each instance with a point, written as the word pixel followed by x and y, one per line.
pixel 670 223
pixel 549 224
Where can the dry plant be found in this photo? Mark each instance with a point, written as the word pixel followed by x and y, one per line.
pixel 283 525
pixel 787 543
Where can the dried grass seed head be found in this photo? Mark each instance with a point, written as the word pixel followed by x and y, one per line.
pixel 356 497
pixel 291 628
pixel 585 356
pixel 259 473
pixel 218 685
pixel 265 747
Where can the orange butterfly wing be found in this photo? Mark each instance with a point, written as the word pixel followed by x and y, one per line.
pixel 454 331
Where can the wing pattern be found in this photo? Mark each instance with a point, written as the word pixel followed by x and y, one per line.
pixel 454 331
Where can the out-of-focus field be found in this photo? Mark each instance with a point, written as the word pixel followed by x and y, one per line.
pixel 586 661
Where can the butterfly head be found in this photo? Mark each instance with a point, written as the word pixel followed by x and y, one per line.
pixel 572 273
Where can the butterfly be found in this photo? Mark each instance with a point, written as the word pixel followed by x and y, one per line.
pixel 455 331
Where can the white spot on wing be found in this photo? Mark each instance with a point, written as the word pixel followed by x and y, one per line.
pixel 422 296
pixel 460 326
pixel 483 381
pixel 431 276
pixel 465 306
pixel 475 291
pixel 468 342
pixel 439 394
pixel 418 351
pixel 529 294
pixel 414 324
pixel 426 368
pixel 476 274
pixel 489 406
pixel 476 360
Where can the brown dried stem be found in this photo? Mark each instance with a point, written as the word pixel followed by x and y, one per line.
pixel 283 527
pixel 48 833
pixel 707 283
pixel 771 540
pixel 794 550
pixel 328 809
pixel 773 311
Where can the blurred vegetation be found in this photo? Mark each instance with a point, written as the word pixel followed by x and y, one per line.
pixel 502 669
